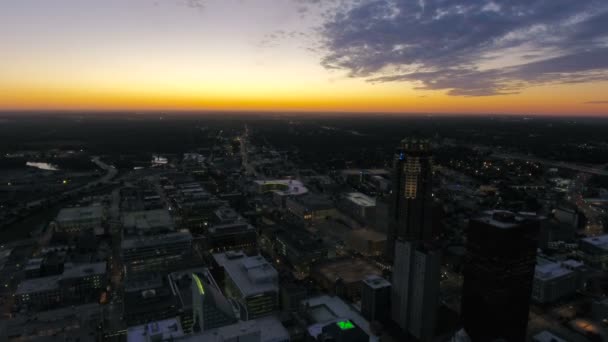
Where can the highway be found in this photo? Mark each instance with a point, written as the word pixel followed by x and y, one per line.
pixel 596 170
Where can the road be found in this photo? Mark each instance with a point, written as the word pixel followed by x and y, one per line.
pixel 244 140
pixel 111 172
pixel 595 170
pixel 594 226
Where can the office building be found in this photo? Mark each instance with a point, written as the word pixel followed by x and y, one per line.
pixel 498 275
pixel 77 219
pixel 594 251
pixel 556 280
pixel 150 253
pixel 264 329
pixel 251 281
pixel 210 308
pixel 416 263
pixel 157 331
pixel 148 222
pixel 344 276
pixel 230 231
pixel 299 249
pixel 78 283
pixel 415 290
pixel 311 208
pixel 375 299
pixel 149 298
pixel 412 196
pixel 325 313
pixel 360 206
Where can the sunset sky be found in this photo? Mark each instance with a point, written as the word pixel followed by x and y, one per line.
pixel 410 56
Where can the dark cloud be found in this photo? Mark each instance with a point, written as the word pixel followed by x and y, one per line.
pixel 460 45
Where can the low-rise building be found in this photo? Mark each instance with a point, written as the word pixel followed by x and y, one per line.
pixel 594 251
pixel 360 206
pixel 230 231
pixel 251 281
pixel 329 311
pixel 77 284
pixel 553 280
pixel 300 250
pixel 344 277
pixel 264 329
pixel 148 222
pixel 74 220
pixel 311 208
pixel 161 252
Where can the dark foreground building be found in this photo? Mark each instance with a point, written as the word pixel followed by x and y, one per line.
pixel 498 276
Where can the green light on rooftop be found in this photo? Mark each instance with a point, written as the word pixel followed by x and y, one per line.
pixel 199 284
pixel 345 325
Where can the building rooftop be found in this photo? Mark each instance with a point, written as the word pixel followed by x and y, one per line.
pixel 165 330
pixel 505 219
pixel 51 325
pixel 546 336
pixel 52 282
pixel 38 285
pixel 360 199
pixel 252 275
pixel 368 235
pixel 549 271
pixel 269 329
pixel 156 240
pixel 83 270
pixel 284 187
pixel 327 309
pixel 227 214
pixel 80 213
pixel 597 241
pixel 376 282
pixel 148 219
pixel 315 202
pixel 350 270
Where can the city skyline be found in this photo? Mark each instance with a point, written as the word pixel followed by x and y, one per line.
pixel 476 57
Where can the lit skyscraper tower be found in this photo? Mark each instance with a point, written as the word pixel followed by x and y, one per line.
pixel 416 264
pixel 412 197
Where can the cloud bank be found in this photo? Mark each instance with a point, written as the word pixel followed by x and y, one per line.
pixel 469 47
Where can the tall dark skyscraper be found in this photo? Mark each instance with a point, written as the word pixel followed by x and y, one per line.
pixel 498 276
pixel 416 264
pixel 412 196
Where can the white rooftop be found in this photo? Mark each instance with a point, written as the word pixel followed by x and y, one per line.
pixel 327 309
pixel 266 329
pixel 285 187
pixel 598 241
pixel 361 199
pixel 376 282
pixel 252 275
